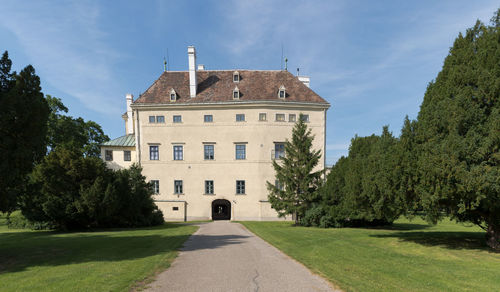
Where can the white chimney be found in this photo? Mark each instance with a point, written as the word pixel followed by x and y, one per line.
pixel 201 67
pixel 192 71
pixel 130 120
pixel 304 79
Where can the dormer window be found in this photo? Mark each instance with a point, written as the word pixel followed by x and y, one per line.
pixel 173 95
pixel 236 93
pixel 236 76
pixel 282 92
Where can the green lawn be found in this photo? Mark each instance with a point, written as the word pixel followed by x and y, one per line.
pixel 110 260
pixel 409 256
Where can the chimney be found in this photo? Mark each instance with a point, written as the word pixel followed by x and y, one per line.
pixel 129 123
pixel 305 79
pixel 192 71
pixel 201 67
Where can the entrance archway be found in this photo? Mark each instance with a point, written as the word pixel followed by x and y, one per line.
pixel 221 210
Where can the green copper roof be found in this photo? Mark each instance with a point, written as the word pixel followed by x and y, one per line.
pixel 124 141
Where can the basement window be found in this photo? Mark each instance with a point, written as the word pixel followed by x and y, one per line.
pixel 236 76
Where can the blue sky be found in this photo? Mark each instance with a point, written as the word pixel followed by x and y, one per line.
pixel 372 60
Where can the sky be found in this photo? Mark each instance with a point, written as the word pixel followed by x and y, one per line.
pixel 371 60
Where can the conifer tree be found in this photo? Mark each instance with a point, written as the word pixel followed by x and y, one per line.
pixel 297 182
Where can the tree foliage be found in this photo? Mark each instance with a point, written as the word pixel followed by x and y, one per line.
pixel 457 134
pixel 298 183
pixel 23 127
pixel 74 133
pixel 72 191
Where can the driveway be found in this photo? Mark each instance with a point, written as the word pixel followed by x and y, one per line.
pixel 224 256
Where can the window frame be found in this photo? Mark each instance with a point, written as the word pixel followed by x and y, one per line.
pixel 108 155
pixel 162 119
pixel 290 118
pixel 205 151
pixel 209 187
pixel 178 187
pixel 304 118
pixel 178 152
pixel 127 154
pixel 281 115
pixel 240 187
pixel 177 119
pixel 155 184
pixel 152 119
pixel 240 115
pixel 210 120
pixel 242 151
pixel 279 150
pixel 263 115
pixel 151 152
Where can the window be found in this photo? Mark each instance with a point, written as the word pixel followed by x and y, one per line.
pixel 154 154
pixel 108 155
pixel 209 187
pixel 152 119
pixel 278 185
pixel 304 118
pixel 160 119
pixel 208 151
pixel 279 150
pixel 178 152
pixel 175 208
pixel 292 118
pixel 173 95
pixel 236 76
pixel 126 155
pixel 177 119
pixel 280 117
pixel 240 117
pixel 240 187
pixel 208 118
pixel 236 93
pixel 178 187
pixel 282 92
pixel 262 117
pixel 155 184
pixel 240 151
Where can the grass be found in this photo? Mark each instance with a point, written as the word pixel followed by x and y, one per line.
pixel 106 260
pixel 408 256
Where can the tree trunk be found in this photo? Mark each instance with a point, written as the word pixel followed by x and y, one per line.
pixel 493 236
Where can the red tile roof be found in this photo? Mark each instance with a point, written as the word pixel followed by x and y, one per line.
pixel 218 86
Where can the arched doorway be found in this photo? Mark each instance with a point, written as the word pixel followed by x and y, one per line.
pixel 221 210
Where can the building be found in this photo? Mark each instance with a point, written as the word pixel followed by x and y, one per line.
pixel 206 139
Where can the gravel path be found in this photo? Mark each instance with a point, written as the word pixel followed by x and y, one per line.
pixel 224 256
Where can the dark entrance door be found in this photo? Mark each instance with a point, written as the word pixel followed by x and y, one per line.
pixel 221 210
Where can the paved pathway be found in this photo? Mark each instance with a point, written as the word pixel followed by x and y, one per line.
pixel 224 256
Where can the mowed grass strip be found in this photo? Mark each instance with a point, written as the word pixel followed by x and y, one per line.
pixel 408 256
pixel 109 260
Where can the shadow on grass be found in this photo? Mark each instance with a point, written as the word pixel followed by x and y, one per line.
pixel 21 250
pixel 450 240
pixel 401 226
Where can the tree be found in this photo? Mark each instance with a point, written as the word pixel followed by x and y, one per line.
pixel 457 134
pixel 297 182
pixel 66 131
pixel 23 127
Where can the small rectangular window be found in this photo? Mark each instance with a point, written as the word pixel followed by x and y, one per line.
pixel 152 119
pixel 282 94
pixel 109 155
pixel 160 119
pixel 262 117
pixel 175 208
pixel 208 118
pixel 236 94
pixel 280 117
pixel 178 153
pixel 208 152
pixel 240 117
pixel 278 185
pixel 177 119
pixel 173 97
pixel 279 150
pixel 240 187
pixel 178 187
pixel 126 155
pixel 292 118
pixel 154 153
pixel 155 184
pixel 209 187
pixel 241 151
pixel 304 118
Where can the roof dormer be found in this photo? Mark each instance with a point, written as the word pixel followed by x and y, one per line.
pixel 236 76
pixel 282 92
pixel 173 95
pixel 236 93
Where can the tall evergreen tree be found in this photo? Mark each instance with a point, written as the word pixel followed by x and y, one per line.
pixel 23 127
pixel 457 134
pixel 297 182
